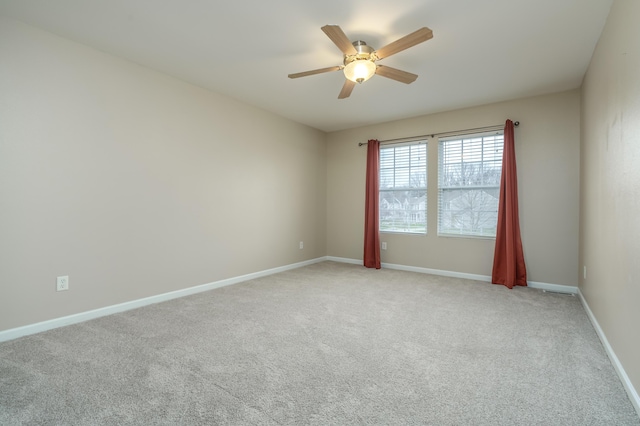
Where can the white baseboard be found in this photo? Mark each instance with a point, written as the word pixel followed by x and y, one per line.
pixel 486 278
pixel 439 272
pixel 622 374
pixel 556 288
pixel 26 330
pixel 345 260
pixel 108 310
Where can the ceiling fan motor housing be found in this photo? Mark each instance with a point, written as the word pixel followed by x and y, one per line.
pixel 364 52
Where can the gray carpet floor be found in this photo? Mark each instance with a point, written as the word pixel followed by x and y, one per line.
pixel 326 344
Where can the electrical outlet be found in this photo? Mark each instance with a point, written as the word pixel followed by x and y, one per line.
pixel 301 245
pixel 384 245
pixel 62 283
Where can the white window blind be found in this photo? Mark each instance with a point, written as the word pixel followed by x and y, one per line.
pixel 403 188
pixel 469 171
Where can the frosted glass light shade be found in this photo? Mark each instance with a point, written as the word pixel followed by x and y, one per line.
pixel 359 70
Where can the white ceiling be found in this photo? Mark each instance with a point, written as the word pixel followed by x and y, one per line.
pixel 482 51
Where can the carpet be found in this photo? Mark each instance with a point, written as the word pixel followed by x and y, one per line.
pixel 325 344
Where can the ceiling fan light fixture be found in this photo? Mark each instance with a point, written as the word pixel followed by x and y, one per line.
pixel 359 70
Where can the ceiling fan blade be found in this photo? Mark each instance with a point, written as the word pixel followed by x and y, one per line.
pixel 396 74
pixel 312 72
pixel 346 89
pixel 416 37
pixel 339 38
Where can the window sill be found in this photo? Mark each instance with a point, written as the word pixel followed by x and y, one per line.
pixel 473 237
pixel 404 233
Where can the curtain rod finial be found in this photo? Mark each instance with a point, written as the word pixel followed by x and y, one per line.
pixel 516 123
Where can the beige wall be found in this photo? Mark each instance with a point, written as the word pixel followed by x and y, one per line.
pixel 610 195
pixel 547 149
pixel 134 183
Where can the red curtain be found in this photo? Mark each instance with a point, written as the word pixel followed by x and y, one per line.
pixel 371 223
pixel 508 259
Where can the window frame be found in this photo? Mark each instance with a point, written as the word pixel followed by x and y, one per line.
pixel 488 189
pixel 418 222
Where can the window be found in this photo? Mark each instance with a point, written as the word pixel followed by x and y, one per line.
pixel 403 188
pixel 469 171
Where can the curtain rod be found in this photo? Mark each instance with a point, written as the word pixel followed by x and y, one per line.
pixel 452 133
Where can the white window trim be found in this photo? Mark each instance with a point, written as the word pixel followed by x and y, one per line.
pixel 495 188
pixel 382 190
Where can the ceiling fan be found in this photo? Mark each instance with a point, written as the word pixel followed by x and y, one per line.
pixel 360 59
